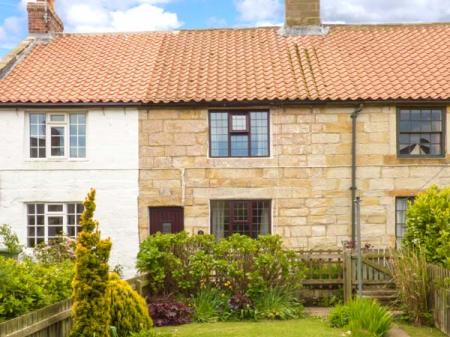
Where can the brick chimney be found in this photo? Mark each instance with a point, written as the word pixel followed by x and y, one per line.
pixel 302 17
pixel 42 18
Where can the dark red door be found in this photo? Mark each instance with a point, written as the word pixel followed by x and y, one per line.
pixel 166 219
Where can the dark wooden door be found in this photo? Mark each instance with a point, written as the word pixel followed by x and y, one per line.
pixel 166 219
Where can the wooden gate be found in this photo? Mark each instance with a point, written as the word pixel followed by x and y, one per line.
pixel 375 271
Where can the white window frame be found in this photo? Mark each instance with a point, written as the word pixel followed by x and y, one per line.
pixel 48 125
pixel 64 214
pixel 57 124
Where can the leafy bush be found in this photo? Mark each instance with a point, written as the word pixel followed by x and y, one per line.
pixel 410 274
pixel 168 311
pixel 176 262
pixel 91 315
pixel 428 225
pixel 10 240
pixel 182 264
pixel 210 305
pixel 364 318
pixel 129 312
pixel 27 286
pixel 59 249
pixel 277 304
pixel 339 316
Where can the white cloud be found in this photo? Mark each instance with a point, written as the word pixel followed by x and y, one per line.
pixel 114 15
pixel 351 11
pixel 259 12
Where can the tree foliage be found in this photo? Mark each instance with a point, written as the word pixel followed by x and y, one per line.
pixel 428 225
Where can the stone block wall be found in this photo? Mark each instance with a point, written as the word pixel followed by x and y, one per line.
pixel 307 176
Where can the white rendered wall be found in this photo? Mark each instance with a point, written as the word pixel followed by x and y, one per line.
pixel 111 167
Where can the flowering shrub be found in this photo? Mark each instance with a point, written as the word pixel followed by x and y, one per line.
pixel 59 249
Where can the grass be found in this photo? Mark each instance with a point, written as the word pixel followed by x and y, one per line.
pixel 415 331
pixel 308 327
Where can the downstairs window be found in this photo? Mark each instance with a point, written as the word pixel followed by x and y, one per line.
pixel 48 221
pixel 401 206
pixel 246 217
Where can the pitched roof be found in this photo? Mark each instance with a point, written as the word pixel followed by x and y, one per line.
pixel 351 62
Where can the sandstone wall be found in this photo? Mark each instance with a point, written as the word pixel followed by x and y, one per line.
pixel 307 176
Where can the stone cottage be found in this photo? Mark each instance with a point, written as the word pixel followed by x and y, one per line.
pixel 253 131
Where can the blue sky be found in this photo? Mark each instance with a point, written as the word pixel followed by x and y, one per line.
pixel 136 15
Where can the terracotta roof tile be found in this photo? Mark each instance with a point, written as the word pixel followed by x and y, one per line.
pixel 361 62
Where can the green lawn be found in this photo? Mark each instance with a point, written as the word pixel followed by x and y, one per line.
pixel 421 331
pixel 308 327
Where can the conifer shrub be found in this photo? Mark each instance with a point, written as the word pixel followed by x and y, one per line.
pixel 91 314
pixel 128 310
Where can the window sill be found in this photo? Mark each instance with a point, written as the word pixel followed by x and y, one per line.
pixel 55 160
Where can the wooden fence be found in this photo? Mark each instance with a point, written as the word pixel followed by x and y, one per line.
pixel 53 320
pixel 440 297
pixel 331 272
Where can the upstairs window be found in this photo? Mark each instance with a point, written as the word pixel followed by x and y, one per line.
pixel 421 132
pixel 48 221
pixel 57 135
pixel 239 133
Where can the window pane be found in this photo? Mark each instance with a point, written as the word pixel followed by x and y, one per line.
pixel 71 231
pixel 31 208
pixel 420 132
pixel 80 208
pixel 239 146
pixel 220 220
pixel 219 134
pixel 40 231
pixel 37 135
pixel 77 135
pixel 239 122
pixel 55 231
pixel 57 118
pixel 401 205
pixel 55 220
pixel 259 134
pixel 55 208
pixel 57 141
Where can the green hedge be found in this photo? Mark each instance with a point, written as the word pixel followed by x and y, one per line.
pixel 183 264
pixel 28 285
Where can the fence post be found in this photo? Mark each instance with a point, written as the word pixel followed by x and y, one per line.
pixel 348 275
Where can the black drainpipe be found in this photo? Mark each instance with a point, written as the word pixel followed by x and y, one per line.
pixel 354 116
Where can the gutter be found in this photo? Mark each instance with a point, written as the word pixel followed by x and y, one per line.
pixel 354 188
pixel 222 104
